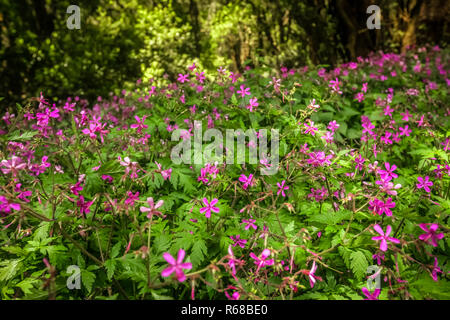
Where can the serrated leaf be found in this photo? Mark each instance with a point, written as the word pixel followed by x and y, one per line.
pixel 10 269
pixel 110 266
pixel 358 264
pixel 116 249
pixel 198 254
pixel 88 279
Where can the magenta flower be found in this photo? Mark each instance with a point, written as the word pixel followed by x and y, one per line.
pixel 384 237
pixel 76 188
pixel 108 178
pixel 430 236
pixel 152 207
pixel 371 296
pixel 250 223
pixel 13 165
pixel 243 91
pixel 378 257
pixel 176 266
pixel 282 187
pixel 6 206
pixel 359 162
pixel 310 128
pixel 209 207
pixel 238 241
pixel 131 198
pixel 389 172
pixel 406 115
pixel 333 125
pixel 435 270
pixel 22 194
pixel 252 104
pixel 424 183
pixel 166 174
pixel 405 131
pixel 246 181
pixel 232 261
pixel 129 165
pixel 183 78
pixel 84 205
pixel 312 276
pixel 234 296
pixel 140 124
pixel 261 261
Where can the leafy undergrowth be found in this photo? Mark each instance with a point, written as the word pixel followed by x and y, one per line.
pixel 362 186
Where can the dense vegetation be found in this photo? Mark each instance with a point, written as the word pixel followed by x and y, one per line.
pixel 123 40
pixel 363 179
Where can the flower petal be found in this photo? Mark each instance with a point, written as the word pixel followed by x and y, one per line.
pixel 168 257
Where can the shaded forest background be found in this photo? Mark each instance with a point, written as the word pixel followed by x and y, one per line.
pixel 124 40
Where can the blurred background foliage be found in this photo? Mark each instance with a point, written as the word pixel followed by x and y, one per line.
pixel 123 40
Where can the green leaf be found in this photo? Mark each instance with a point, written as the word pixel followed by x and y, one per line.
pixel 15 136
pixel 359 264
pixel 116 249
pixel 110 266
pixel 11 267
pixel 88 279
pixel 199 251
pixel 26 285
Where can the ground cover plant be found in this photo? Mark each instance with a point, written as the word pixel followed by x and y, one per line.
pixel 360 195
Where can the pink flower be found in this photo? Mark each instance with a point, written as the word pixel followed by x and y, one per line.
pixel 13 165
pixel 430 236
pixel 424 183
pixel 389 172
pixel 359 162
pixel 378 257
pixel 183 78
pixel 131 198
pixel 252 104
pixel 6 206
pixel 166 174
pixel 232 261
pixel 388 111
pixel 243 91
pixel 76 188
pixel 312 276
pixel 140 124
pixel 250 223
pixel 238 241
pixel 107 178
pixel 371 296
pixel 282 187
pixel 261 261
pixel 384 237
pixel 310 128
pixel 246 181
pixel 234 296
pixel 435 270
pixel 84 205
pixel 152 210
pixel 22 194
pixel 333 126
pixel 209 207
pixel 176 266
pixel 406 115
pixel 129 165
pixel 405 131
